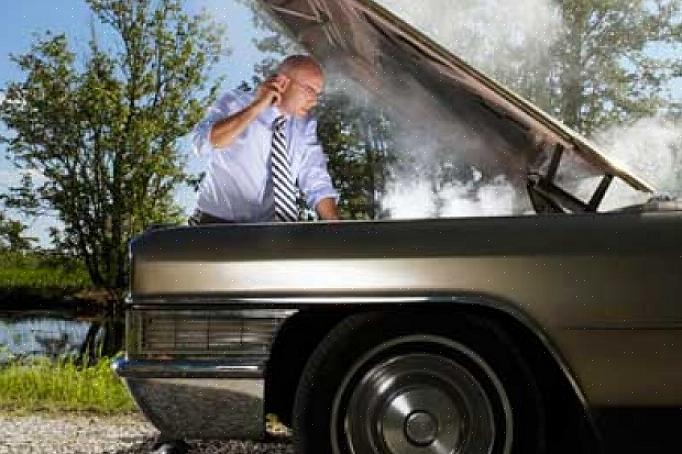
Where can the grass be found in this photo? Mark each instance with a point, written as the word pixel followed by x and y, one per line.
pixel 62 386
pixel 40 270
pixel 46 385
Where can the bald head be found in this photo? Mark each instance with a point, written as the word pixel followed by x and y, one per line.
pixel 305 81
pixel 296 63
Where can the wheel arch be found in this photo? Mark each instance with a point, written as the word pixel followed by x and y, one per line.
pixel 302 333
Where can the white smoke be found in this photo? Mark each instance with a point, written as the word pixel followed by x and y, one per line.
pixel 439 168
pixel 498 37
pixel 463 199
pixel 651 148
pixel 409 200
pixel 492 35
pixel 414 199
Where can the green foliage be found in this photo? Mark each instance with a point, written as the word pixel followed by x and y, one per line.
pixel 64 385
pixel 12 236
pixel 355 139
pixel 606 75
pixel 602 71
pixel 104 137
pixel 41 270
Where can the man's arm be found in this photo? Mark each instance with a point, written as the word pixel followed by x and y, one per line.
pixel 225 131
pixel 327 209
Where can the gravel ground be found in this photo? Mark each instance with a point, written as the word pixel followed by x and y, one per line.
pixel 131 434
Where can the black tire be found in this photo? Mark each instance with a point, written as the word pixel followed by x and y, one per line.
pixel 385 383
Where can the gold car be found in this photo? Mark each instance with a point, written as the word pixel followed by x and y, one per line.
pixel 471 335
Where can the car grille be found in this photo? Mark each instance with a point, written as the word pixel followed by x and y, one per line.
pixel 206 332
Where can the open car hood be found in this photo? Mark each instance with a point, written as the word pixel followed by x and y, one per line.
pixel 372 46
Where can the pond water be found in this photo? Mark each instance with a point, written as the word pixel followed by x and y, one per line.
pixel 55 334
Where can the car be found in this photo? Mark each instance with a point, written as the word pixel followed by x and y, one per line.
pixel 496 334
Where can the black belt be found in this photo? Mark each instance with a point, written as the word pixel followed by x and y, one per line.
pixel 201 217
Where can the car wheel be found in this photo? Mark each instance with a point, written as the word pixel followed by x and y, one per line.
pixel 412 385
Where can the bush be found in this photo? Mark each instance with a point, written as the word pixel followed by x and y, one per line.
pixel 40 269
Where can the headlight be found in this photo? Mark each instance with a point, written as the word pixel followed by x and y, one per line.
pixel 203 333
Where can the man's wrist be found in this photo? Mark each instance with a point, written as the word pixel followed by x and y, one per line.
pixel 259 105
pixel 327 209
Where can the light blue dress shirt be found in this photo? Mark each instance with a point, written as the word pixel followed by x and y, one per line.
pixel 238 182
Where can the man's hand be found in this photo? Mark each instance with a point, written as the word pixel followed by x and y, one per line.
pixel 327 210
pixel 270 91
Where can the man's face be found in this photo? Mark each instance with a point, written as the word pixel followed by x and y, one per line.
pixel 304 87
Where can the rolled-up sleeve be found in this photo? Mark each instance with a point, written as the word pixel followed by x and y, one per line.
pixel 313 177
pixel 223 107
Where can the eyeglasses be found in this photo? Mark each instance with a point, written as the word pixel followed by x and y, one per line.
pixel 310 91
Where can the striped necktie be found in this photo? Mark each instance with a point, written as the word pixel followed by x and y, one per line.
pixel 283 187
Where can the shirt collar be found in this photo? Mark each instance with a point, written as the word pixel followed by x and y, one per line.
pixel 268 116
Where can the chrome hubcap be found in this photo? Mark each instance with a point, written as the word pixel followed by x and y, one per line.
pixel 416 403
pixel 421 428
pixel 418 419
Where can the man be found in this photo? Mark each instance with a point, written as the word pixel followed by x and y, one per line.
pixel 263 145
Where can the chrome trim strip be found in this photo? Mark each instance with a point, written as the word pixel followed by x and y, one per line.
pixel 236 367
pixel 342 300
pixel 185 305
pixel 140 303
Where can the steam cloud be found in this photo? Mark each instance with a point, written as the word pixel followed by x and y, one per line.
pixel 420 200
pixel 492 35
pixel 651 148
pixel 428 145
pixel 497 37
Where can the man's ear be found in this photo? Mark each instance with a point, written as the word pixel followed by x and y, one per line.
pixel 285 80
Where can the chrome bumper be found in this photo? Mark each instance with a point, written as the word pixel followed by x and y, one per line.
pixel 237 367
pixel 188 399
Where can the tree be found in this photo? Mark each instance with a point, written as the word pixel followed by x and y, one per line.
pixel 12 235
pixel 103 137
pixel 356 138
pixel 604 71
pixel 605 67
